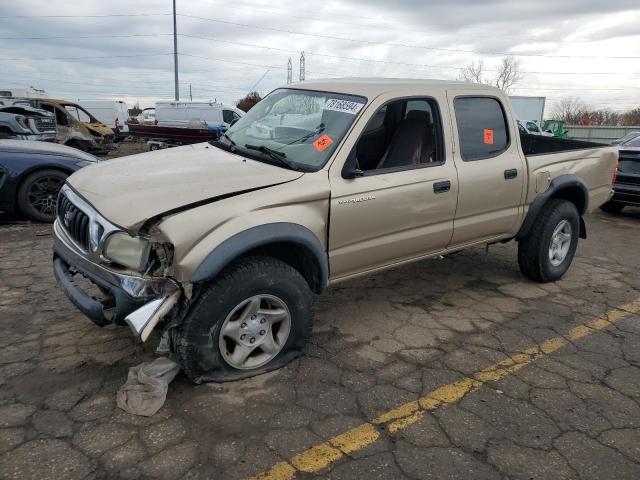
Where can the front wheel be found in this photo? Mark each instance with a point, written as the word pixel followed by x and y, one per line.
pixel 547 251
pixel 254 318
pixel 38 194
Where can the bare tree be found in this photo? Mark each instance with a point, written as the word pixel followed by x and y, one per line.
pixel 630 118
pixel 570 110
pixel 473 72
pixel 508 74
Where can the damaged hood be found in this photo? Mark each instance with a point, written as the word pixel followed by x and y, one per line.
pixel 130 190
pixel 99 128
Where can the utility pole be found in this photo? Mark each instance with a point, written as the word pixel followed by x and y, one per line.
pixel 302 67
pixel 289 71
pixel 175 52
pixel 190 96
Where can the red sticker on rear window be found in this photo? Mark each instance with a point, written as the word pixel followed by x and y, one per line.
pixel 323 143
pixel 488 136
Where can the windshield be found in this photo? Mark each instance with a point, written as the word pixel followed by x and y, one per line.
pixel 301 127
pixel 629 138
pixel 632 143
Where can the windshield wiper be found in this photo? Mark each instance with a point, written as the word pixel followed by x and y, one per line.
pixel 307 136
pixel 279 157
pixel 231 142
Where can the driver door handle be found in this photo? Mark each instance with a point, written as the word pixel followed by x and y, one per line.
pixel 510 173
pixel 441 187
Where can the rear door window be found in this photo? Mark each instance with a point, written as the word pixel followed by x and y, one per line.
pixel 482 127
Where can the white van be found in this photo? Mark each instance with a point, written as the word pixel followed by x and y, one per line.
pixel 200 114
pixel 113 113
pixel 23 92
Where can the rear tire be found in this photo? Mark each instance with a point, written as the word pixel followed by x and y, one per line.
pixel 274 332
pixel 612 207
pixel 547 251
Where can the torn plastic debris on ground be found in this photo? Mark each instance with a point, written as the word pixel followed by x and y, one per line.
pixel 146 387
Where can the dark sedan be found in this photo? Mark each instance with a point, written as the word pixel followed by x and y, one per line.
pixel 626 187
pixel 32 173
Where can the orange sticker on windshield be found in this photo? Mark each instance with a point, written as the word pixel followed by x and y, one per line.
pixel 323 143
pixel 488 136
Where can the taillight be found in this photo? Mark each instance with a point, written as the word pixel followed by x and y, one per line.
pixel 614 176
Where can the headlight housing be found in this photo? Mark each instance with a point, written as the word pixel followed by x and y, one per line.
pixel 128 251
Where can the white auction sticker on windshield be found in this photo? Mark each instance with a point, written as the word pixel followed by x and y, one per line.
pixel 344 106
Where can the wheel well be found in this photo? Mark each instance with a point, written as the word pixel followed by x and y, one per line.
pixel 296 255
pixel 574 195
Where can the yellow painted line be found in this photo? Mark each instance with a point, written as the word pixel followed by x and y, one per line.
pixel 321 456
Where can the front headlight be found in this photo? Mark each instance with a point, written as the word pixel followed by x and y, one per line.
pixel 132 252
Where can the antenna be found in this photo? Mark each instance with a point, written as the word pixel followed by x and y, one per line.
pixel 289 71
pixel 253 89
pixel 302 69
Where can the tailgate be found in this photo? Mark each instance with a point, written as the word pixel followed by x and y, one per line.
pixel 629 167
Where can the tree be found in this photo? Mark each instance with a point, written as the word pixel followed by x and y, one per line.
pixel 574 112
pixel 473 72
pixel 507 75
pixel 245 104
pixel 570 110
pixel 630 118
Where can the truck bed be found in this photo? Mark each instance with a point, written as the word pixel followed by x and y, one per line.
pixel 538 144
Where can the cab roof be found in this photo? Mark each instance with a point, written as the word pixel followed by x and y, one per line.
pixel 372 87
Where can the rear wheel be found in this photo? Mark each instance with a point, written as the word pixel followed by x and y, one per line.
pixel 546 253
pixel 254 318
pixel 612 207
pixel 38 194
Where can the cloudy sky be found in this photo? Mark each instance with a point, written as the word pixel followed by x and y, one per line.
pixel 123 49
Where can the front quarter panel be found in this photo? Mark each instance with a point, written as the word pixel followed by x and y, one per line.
pixel 15 166
pixel 197 232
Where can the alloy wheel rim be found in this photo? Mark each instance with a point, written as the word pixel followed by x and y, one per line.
pixel 560 243
pixel 254 332
pixel 43 195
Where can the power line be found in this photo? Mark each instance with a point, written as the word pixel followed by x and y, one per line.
pixel 326 55
pixel 75 37
pixel 116 15
pixel 333 21
pixel 90 57
pixel 393 44
pixel 389 62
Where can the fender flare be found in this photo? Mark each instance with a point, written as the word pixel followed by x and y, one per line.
pixel 559 183
pixel 254 237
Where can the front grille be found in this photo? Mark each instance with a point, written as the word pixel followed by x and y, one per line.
pixel 45 124
pixel 74 221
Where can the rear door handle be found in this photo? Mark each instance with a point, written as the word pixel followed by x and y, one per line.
pixel 441 187
pixel 510 173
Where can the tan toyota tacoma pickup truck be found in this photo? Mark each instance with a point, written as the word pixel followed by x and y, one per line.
pixel 220 245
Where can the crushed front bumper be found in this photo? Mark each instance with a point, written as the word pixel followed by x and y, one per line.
pixel 135 300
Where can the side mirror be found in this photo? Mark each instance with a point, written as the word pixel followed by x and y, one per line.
pixel 351 173
pixel 351 168
pixel 233 122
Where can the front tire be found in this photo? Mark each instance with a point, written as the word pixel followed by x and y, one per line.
pixel 547 251
pixel 38 194
pixel 255 317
